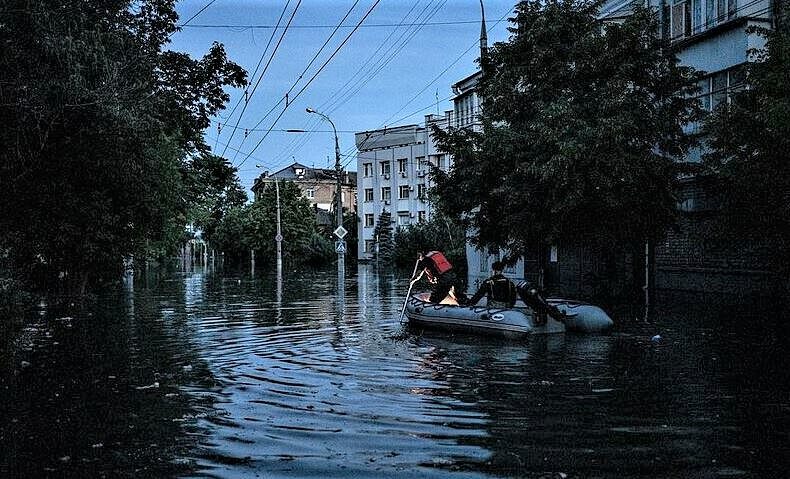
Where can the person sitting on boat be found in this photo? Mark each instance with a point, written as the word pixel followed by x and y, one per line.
pixel 499 290
pixel 440 275
pixel 532 298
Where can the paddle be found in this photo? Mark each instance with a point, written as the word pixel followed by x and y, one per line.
pixel 408 293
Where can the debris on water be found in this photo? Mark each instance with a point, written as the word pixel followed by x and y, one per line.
pixel 64 459
pixel 188 367
pixel 24 364
pixel 150 386
pixel 656 338
pixel 97 445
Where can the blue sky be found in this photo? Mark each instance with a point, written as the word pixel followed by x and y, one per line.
pixel 384 74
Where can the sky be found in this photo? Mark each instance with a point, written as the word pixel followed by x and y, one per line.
pixel 395 68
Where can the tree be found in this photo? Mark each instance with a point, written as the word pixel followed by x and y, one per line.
pixel 749 138
pixel 582 127
pixel 440 233
pixel 296 217
pixel 213 189
pixel 98 122
pixel 382 233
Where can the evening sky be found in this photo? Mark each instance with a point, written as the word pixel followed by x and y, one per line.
pixel 391 71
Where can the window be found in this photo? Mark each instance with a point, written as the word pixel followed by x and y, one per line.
pixel 368 194
pixel 421 163
pixel 720 86
pixel 681 19
pixel 689 17
pixel 310 193
pixel 369 220
pixel 438 161
pixel 421 216
pixel 368 169
pixel 370 246
pixel 384 167
pixel 386 195
pixel 421 191
pixel 404 218
pixel 403 165
pixel 403 192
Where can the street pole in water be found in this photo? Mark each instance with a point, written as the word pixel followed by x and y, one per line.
pixel 339 232
pixel 279 237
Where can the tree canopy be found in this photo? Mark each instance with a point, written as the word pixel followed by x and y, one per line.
pixel 749 140
pixel 99 120
pixel 582 122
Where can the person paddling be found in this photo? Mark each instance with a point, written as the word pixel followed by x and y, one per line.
pixel 440 274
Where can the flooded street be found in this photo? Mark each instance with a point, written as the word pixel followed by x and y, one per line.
pixel 200 375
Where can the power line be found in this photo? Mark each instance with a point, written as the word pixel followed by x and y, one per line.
pixel 372 25
pixel 271 57
pixel 312 78
pixel 193 16
pixel 301 75
pixel 297 144
pixel 252 77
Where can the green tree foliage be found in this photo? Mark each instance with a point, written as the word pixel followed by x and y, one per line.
pixel 749 140
pixel 98 120
pixel 297 220
pixel 214 189
pixel 383 235
pixel 582 124
pixel 438 234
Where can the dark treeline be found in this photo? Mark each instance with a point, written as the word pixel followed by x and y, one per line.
pixel 584 137
pixel 102 126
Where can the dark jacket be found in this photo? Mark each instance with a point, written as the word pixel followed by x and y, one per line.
pixel 500 291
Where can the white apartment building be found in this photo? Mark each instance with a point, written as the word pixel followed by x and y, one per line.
pixel 393 175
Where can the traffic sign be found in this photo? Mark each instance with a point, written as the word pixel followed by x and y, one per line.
pixel 340 246
pixel 278 238
pixel 340 232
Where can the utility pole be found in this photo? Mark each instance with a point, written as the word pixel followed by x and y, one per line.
pixel 340 232
pixel 279 237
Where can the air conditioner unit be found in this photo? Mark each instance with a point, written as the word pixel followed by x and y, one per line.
pixel 386 176
pixel 411 214
pixel 403 174
pixel 411 188
pixel 386 202
pixel 421 173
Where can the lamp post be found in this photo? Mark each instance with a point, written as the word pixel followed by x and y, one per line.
pixel 338 202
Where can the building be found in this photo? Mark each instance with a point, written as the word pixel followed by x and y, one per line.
pixel 393 166
pixel 318 185
pixel 715 37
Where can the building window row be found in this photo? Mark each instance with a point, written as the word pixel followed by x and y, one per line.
pixel 404 192
pixel 423 166
pixel 690 17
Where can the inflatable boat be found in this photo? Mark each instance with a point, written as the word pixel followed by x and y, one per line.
pixel 516 322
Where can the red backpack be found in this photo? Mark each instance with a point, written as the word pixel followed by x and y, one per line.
pixel 440 263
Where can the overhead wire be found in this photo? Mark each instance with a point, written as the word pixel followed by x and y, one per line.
pixel 255 72
pixel 434 80
pixel 265 68
pixel 297 144
pixel 301 75
pixel 312 78
pixel 186 23
pixel 370 25
pixel 392 52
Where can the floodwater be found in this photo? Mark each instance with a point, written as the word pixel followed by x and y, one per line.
pixel 204 375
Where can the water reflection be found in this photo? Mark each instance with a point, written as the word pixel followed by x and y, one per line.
pixel 280 376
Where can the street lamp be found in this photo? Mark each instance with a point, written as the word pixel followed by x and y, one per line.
pixel 339 199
